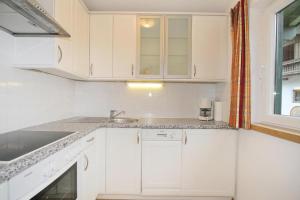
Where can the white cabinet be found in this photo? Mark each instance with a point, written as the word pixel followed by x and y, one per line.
pixel 178 47
pixel 124 46
pixel 161 161
pixel 101 159
pixel 89 168
pixel 209 162
pixel 113 46
pixel 209 48
pixel 101 46
pixel 123 161
pixel 66 57
pixel 3 191
pixel 80 39
pixel 150 46
pixel 53 55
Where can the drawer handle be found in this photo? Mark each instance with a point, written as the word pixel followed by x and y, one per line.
pixel 162 134
pixel 90 140
pixel 26 175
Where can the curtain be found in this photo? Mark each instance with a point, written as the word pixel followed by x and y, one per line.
pixel 240 108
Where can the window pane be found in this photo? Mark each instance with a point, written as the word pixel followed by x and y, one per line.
pixel 287 77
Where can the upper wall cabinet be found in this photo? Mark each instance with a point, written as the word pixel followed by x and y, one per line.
pixel 81 35
pixel 124 46
pixel 177 47
pixel 150 46
pixel 55 55
pixel 113 46
pixel 101 45
pixel 164 46
pixel 210 48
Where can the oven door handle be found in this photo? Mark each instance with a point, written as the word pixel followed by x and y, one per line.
pixel 87 162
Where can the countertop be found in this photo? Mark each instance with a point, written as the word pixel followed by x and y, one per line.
pixel 88 125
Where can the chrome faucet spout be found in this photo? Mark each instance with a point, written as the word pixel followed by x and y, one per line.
pixel 115 113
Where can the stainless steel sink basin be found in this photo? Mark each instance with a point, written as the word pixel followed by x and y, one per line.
pixel 123 120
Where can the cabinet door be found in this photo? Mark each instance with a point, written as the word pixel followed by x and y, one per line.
pixel 150 46
pixel 124 46
pixel 90 169
pixel 101 157
pixel 209 48
pixel 64 15
pixel 80 39
pixel 123 163
pixel 209 158
pixel 178 47
pixel 101 34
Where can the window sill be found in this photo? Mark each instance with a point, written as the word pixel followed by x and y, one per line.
pixel 279 132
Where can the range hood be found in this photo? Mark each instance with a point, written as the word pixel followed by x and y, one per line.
pixel 27 18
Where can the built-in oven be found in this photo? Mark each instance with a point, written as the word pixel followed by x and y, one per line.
pixel 63 188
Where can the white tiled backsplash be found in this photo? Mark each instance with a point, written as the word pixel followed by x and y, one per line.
pixel 28 98
pixel 173 100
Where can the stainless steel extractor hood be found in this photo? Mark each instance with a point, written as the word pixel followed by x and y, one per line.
pixel 27 18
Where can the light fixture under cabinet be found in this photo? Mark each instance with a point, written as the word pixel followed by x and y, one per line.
pixel 144 85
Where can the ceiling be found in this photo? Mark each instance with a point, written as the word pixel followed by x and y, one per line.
pixel 159 5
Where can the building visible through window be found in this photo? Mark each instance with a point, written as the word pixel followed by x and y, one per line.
pixel 297 96
pixel 287 77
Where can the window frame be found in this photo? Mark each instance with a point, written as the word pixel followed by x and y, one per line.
pixel 268 115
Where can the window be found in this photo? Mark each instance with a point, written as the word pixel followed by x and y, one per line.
pixel 287 73
pixel 296 95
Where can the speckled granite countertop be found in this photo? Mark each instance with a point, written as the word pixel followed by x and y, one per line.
pixel 82 126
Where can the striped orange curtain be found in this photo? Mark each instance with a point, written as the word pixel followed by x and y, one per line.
pixel 240 108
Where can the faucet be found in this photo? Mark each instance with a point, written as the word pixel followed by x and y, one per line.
pixel 115 113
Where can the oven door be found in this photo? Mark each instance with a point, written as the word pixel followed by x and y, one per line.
pixel 63 188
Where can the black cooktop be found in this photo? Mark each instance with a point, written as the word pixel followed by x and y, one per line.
pixel 18 143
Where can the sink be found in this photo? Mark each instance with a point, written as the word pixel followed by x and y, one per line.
pixel 123 120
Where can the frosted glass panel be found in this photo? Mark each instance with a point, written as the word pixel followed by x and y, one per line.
pixel 150 46
pixel 178 46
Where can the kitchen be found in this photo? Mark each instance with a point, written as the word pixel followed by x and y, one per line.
pixel 139 99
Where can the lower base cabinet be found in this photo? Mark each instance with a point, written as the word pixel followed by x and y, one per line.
pixel 123 161
pixel 89 167
pixel 209 162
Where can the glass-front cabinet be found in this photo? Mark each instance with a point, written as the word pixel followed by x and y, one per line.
pixel 177 47
pixel 150 45
pixel 164 46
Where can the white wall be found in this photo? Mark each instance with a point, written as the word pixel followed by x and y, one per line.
pixel 173 100
pixel 29 98
pixel 268 168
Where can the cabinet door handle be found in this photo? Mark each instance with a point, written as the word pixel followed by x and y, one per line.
pixel 132 70
pixel 87 162
pixel 90 140
pixel 185 138
pixel 138 138
pixel 60 54
pixel 195 70
pixel 91 69
pixel 162 134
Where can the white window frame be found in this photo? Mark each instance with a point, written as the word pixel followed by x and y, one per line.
pixel 268 116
